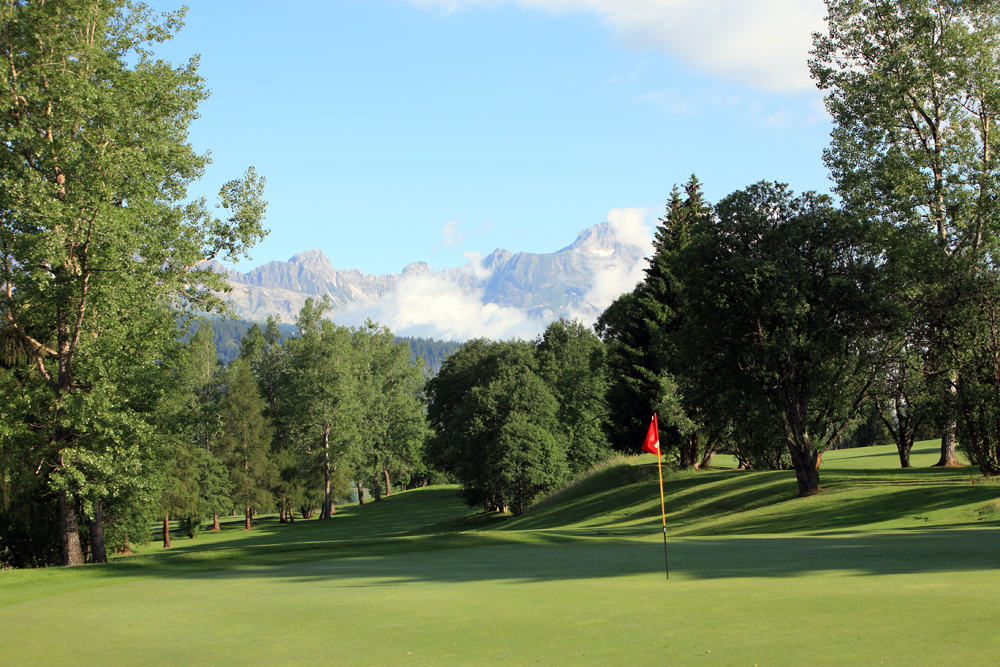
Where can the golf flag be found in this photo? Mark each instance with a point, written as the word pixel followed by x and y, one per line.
pixel 652 445
pixel 652 442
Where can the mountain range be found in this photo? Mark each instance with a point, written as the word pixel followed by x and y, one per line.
pixel 579 280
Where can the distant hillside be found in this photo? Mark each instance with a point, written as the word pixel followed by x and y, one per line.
pixel 229 333
pixel 433 351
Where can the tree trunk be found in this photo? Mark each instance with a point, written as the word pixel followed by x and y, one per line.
pixel 806 465
pixel 710 448
pixel 166 530
pixel 688 451
pixel 325 514
pixel 215 523
pixel 376 489
pixel 70 532
pixel 126 549
pixel 361 495
pixel 248 523
pixel 904 443
pixel 99 553
pixel 388 487
pixel 948 457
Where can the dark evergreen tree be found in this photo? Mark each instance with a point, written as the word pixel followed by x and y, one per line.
pixel 638 329
pixel 245 442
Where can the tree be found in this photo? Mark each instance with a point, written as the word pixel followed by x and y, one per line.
pixel 270 363
pixel 246 441
pixel 572 362
pixel 323 389
pixel 196 484
pixel 913 92
pixel 96 245
pixel 784 299
pixel 390 400
pixel 640 330
pixel 495 425
pixel 906 402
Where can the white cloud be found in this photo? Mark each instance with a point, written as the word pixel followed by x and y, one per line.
pixel 435 305
pixel 760 43
pixel 629 226
pixel 474 265
pixel 450 236
pixel 610 284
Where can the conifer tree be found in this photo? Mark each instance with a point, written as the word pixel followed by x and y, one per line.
pixel 246 441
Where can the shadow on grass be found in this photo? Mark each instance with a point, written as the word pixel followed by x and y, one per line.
pixel 423 508
pixel 552 557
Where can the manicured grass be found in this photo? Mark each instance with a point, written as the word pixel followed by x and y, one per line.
pixel 844 600
pixel 923 455
pixel 852 576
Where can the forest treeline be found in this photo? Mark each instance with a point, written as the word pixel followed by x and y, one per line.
pixel 771 325
pixel 229 332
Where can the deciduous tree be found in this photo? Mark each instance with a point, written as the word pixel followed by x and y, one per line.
pixel 96 242
pixel 784 299
pixel 914 96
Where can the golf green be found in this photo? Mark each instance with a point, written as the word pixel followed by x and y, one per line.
pixel 849 599
pixel 885 567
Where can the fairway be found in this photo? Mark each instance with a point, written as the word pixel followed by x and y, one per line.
pixel 423 580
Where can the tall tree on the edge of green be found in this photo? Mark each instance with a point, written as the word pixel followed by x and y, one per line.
pixel 638 329
pixel 270 362
pixel 246 441
pixel 193 423
pixel 914 96
pixel 785 300
pixel 323 405
pixel 98 243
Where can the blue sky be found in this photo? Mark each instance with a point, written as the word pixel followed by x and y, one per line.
pixel 394 131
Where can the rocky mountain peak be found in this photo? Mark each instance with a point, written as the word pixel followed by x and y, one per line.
pixel 312 259
pixel 416 269
pixel 597 240
pixel 496 258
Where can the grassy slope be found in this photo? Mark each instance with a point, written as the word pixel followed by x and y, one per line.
pixel 758 577
pixel 735 502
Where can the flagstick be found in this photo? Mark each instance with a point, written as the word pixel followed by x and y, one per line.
pixel 663 510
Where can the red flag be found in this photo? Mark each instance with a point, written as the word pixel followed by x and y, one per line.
pixel 652 442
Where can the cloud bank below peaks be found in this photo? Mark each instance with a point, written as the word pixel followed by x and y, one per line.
pixel 760 43
pixel 507 295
